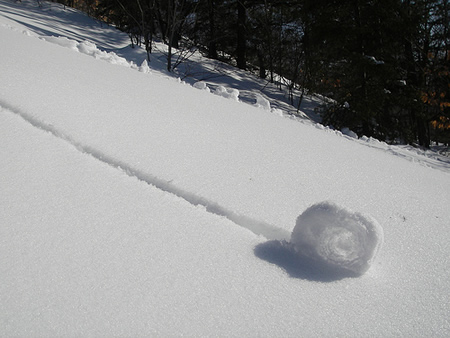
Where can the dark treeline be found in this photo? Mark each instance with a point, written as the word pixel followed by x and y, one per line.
pixel 384 63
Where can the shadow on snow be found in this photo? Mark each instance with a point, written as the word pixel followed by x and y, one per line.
pixel 282 254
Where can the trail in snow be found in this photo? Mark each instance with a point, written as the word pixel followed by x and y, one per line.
pixel 259 228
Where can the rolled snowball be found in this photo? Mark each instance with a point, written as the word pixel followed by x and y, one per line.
pixel 337 238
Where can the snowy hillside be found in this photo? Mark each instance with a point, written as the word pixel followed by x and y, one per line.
pixel 133 203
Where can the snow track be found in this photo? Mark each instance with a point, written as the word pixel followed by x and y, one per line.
pixel 259 228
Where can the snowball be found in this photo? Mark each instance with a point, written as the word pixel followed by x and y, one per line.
pixel 336 238
pixel 262 102
pixel 220 90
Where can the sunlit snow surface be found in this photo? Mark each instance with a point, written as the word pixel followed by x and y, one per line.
pixel 133 204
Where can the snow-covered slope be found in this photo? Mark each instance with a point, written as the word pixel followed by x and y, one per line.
pixel 134 204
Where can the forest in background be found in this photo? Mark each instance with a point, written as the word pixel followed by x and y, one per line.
pixel 383 63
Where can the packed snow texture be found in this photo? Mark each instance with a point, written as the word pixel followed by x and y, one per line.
pixel 89 48
pixel 336 238
pixel 132 204
pixel 144 68
pixel 262 102
pixel 348 132
pixel 201 85
pixel 228 93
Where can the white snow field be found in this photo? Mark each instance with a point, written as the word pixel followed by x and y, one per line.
pixel 134 204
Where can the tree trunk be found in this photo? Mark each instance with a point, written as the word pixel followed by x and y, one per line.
pixel 262 68
pixel 212 46
pixel 241 39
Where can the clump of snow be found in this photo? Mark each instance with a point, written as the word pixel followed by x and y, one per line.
pixel 62 41
pixel 27 33
pixel 349 133
pixel 337 238
pixel 374 60
pixel 262 102
pixel 89 48
pixel 372 140
pixel 201 85
pixel 144 68
pixel 278 112
pixel 229 93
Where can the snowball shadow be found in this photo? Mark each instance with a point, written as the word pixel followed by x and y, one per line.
pixel 283 254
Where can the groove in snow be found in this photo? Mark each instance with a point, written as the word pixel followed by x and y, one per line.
pixel 259 228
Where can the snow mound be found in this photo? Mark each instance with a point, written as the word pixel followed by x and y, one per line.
pixel 144 68
pixel 336 238
pixel 262 102
pixel 201 85
pixel 62 41
pixel 89 48
pixel 229 93
pixel 350 133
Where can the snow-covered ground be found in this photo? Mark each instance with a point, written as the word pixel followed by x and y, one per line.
pixel 132 203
